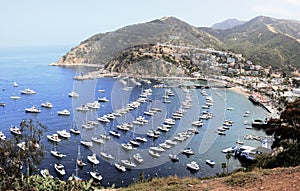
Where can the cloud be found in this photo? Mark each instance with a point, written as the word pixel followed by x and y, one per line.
pixel 291 2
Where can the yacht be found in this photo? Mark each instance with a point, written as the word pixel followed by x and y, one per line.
pixel 87 143
pixel 103 119
pixel 63 133
pixel 54 138
pixel 60 168
pixel 127 146
pixel 157 149
pixel 134 143
pixel 221 132
pixel 153 153
pixel 2 136
pixel 97 140
pixel 15 97
pixel 120 167
pixel 193 166
pixel 103 99
pixel 138 158
pixel 141 139
pixel 64 112
pixel 96 175
pixel 210 162
pixel 75 130
pixel 15 130
pixel 45 173
pixel 173 157
pixel 73 94
pixel 170 142
pixel 106 155
pixel 188 151
pixel 229 150
pixel 128 163
pixel 115 133
pixel 32 109
pixel 57 154
pixel 93 159
pixel 93 105
pixel 83 108
pixel 28 91
pixel 105 136
pixel 46 105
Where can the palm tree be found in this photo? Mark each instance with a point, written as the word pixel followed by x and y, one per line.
pixel 228 157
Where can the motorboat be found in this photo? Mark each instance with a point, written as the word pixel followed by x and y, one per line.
pixel 141 139
pixel 75 130
pixel 45 173
pixel 134 143
pixel 138 158
pixel 64 112
pixel 115 133
pixel 165 145
pixel 60 168
pixel 73 94
pixel 127 146
pixel 188 151
pixel 105 136
pixel 106 155
pixel 221 133
pixel 2 104
pixel 153 153
pixel 15 130
pixel 93 105
pixel 170 142
pixel 97 140
pixel 103 119
pixel 93 159
pixel 157 149
pixel 229 150
pixel 173 157
pixel 15 84
pixel 103 99
pixel 46 105
pixel 87 143
pixel 101 90
pixel 32 109
pixel 80 163
pixel 15 97
pixel 120 167
pixel 57 154
pixel 54 137
pixel 83 108
pixel 63 133
pixel 128 163
pixel 198 123
pixel 96 175
pixel 210 162
pixel 28 91
pixel 193 166
pixel 2 136
pixel 87 126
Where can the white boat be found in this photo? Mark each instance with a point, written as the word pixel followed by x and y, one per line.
pixel 73 94
pixel 93 159
pixel 28 91
pixel 105 136
pixel 83 108
pixel 115 133
pixel 106 155
pixel 15 84
pixel 173 157
pixel 103 99
pixel 80 163
pixel 188 151
pixel 2 136
pixel 15 130
pixel 193 166
pixel 138 158
pixel 93 105
pixel 221 132
pixel 97 140
pixel 229 150
pixel 15 97
pixel 32 109
pixel 57 154
pixel 134 143
pixel 101 90
pixel 210 162
pixel 2 104
pixel 46 105
pixel 103 119
pixel 129 163
pixel 75 130
pixel 96 175
pixel 60 168
pixel 127 146
pixel 45 173
pixel 153 153
pixel 64 112
pixel 170 142
pixel 87 143
pixel 63 133
pixel 120 167
pixel 141 139
pixel 54 138
pixel 157 149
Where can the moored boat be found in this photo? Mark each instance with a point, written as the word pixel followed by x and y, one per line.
pixel 28 91
pixel 93 159
pixel 64 112
pixel 193 166
pixel 60 168
pixel 45 173
pixel 96 175
pixel 210 162
pixel 15 130
pixel 46 105
pixel 32 109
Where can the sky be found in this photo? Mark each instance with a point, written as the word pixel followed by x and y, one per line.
pixel 69 22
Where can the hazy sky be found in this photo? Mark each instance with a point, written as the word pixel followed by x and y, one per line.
pixel 68 22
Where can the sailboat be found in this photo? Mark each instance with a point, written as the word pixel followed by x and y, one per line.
pixel 79 160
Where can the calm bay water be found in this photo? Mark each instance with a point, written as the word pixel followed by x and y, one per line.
pixel 29 68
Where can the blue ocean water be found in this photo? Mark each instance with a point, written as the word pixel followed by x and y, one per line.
pixel 28 66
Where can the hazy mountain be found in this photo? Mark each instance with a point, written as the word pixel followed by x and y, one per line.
pixel 227 24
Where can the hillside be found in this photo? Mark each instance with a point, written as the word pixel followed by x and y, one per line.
pixel 265 41
pixel 100 48
pixel 270 180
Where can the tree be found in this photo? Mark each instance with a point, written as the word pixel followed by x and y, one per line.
pixel 223 165
pixel 228 157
